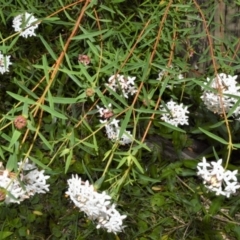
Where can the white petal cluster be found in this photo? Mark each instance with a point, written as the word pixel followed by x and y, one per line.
pixel 25 24
pixel 113 132
pixel 4 63
pixel 218 98
pixel 112 127
pixel 124 84
pixel 216 179
pixel 105 112
pixel 176 114
pixel 29 182
pixel 97 206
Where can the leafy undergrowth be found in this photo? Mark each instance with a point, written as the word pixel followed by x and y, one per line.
pixel 117 93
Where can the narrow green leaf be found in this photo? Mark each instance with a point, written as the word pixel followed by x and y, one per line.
pixel 89 35
pixel 62 100
pixel 213 136
pixel 137 164
pixel 53 112
pixel 25 109
pixel 16 135
pixel 118 97
pixel 39 163
pixel 123 161
pixel 49 49
pixel 172 127
pixel 12 162
pixel 21 98
pixel 125 122
pixel 45 141
pixel 28 91
pixel 65 151
pixel 87 172
pixel 236 145
pixel 68 162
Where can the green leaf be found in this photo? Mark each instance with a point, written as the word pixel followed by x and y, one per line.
pixel 172 127
pixel 213 136
pixel 157 200
pixel 45 141
pixel 49 49
pixel 45 67
pixel 21 98
pixel 69 159
pixel 12 162
pixel 53 112
pixel 65 151
pixel 5 234
pixel 236 145
pixel 39 163
pixel 190 163
pixel 89 35
pixel 125 122
pixel 137 163
pixel 123 161
pixel 62 100
pixel 16 135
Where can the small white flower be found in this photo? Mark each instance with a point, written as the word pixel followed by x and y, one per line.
pixel 230 175
pixel 115 122
pixel 161 75
pixel 113 132
pixel 97 206
pixel 217 179
pixel 177 114
pixel 105 112
pixel 31 181
pixel 4 63
pixel 218 170
pixel 25 24
pixel 219 99
pixel 203 169
pixel 124 84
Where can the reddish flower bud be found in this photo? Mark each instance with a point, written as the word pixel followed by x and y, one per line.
pixel 84 59
pixel 20 122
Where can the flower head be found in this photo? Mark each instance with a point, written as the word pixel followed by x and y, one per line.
pixel 97 206
pixel 4 63
pixel 30 182
pixel 216 179
pixel 176 115
pixel 20 122
pixel 112 126
pixel 25 24
pixel 113 132
pixel 224 94
pixel 84 59
pixel 124 84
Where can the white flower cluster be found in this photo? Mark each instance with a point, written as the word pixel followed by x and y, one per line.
pixel 124 84
pixel 29 182
pixel 216 179
pixel 25 24
pixel 4 63
pixel 112 127
pixel 97 206
pixel 176 115
pixel 218 99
